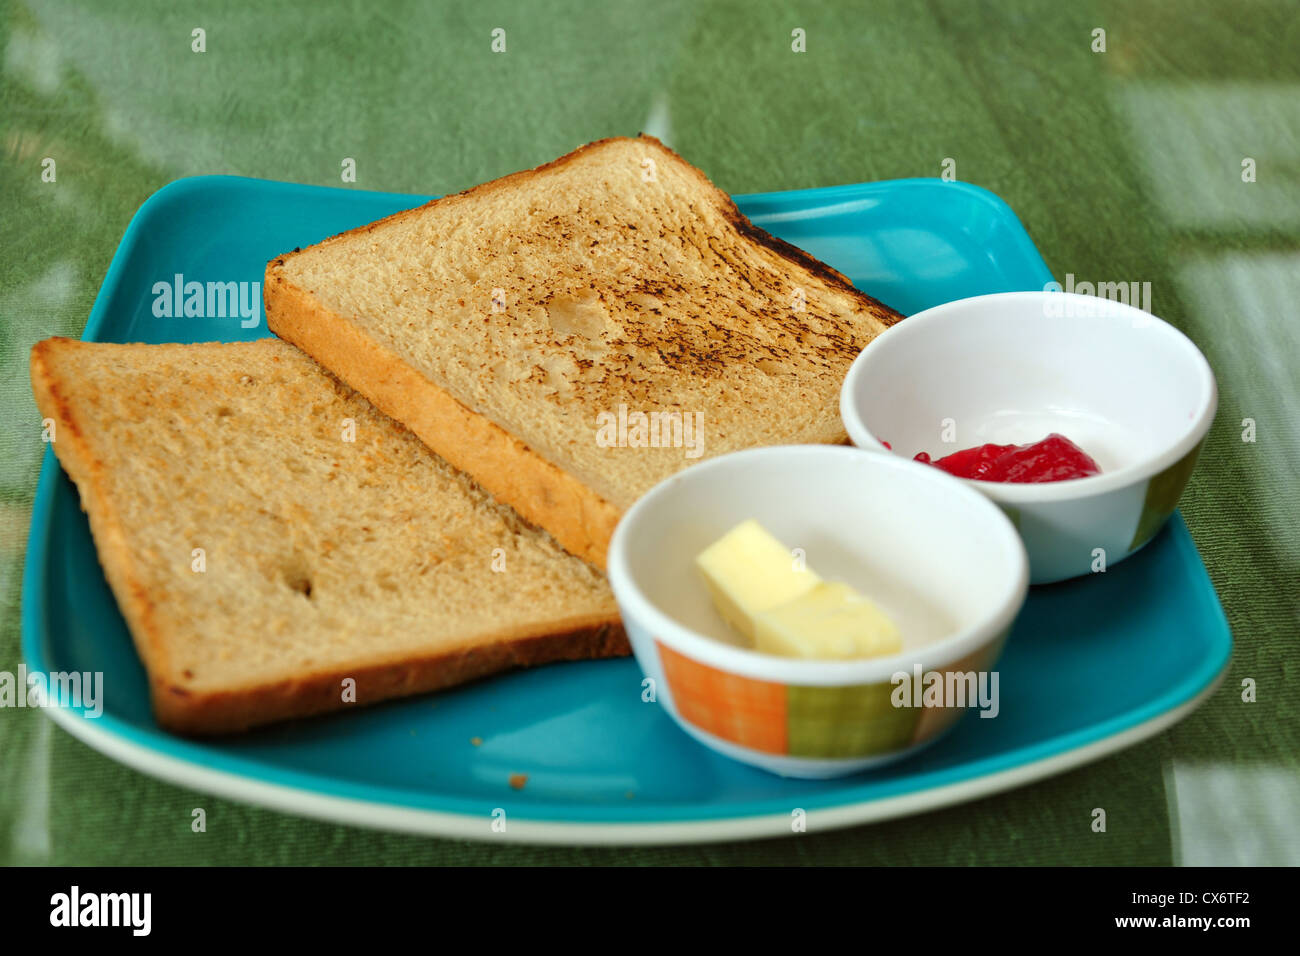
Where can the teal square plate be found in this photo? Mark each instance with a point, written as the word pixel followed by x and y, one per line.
pixel 1092 665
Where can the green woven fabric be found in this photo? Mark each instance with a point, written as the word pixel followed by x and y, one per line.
pixel 1124 165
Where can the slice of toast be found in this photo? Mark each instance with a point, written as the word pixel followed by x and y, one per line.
pixel 522 328
pixel 269 535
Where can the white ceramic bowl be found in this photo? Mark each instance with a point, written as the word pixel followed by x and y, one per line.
pixel 1129 389
pixel 939 558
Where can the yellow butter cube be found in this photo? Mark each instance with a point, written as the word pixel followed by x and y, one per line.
pixel 749 571
pixel 830 620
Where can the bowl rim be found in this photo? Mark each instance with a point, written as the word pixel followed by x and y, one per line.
pixel 1077 488
pixel 636 605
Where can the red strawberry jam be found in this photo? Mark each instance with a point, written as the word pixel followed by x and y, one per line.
pixel 1055 458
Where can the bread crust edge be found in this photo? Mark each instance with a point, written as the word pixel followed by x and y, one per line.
pixel 74 454
pixel 214 713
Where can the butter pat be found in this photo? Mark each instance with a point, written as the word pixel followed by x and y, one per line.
pixel 786 609
pixel 830 620
pixel 748 572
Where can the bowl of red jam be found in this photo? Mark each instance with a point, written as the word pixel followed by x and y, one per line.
pixel 1082 418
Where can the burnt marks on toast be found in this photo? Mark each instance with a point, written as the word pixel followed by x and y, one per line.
pixel 881 312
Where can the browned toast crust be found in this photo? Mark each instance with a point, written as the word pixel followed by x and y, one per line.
pixel 182 712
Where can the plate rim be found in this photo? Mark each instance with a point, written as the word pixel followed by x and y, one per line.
pixel 388 817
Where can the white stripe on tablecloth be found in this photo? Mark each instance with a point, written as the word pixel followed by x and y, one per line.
pixel 1224 814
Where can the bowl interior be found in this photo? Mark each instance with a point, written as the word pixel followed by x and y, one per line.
pixel 935 556
pixel 1122 385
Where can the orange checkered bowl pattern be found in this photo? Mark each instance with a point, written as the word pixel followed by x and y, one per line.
pixel 830 722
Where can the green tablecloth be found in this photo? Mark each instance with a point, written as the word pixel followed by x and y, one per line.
pixel 1124 165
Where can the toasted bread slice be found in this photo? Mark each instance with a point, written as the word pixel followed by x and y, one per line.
pixel 521 328
pixel 268 535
